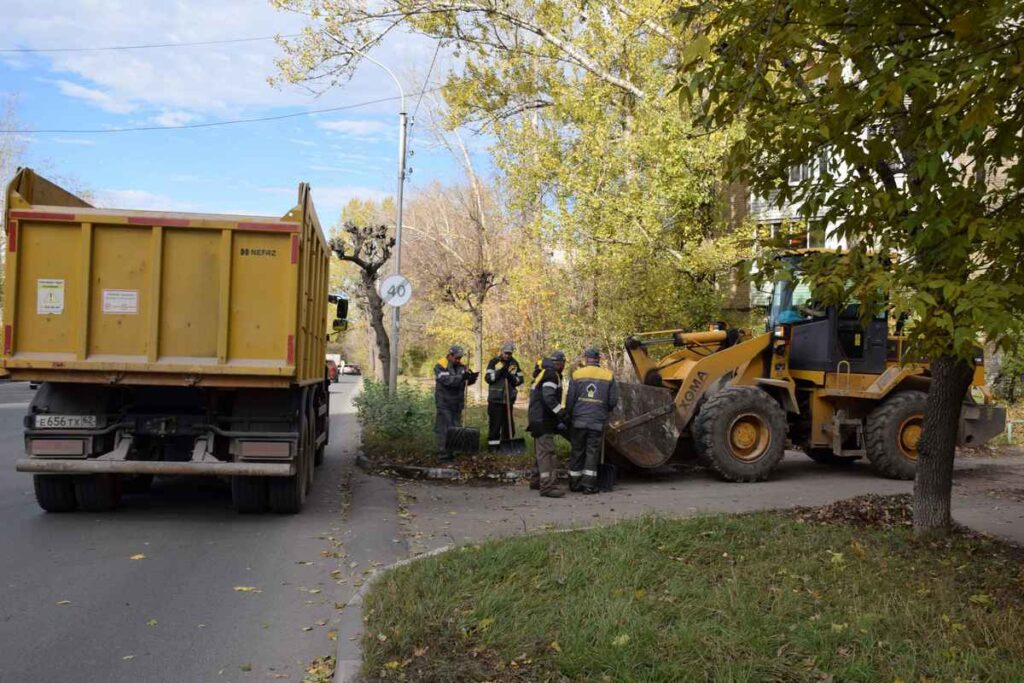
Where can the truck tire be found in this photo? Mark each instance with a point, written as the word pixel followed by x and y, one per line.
pixel 249 494
pixel 288 494
pixel 96 492
pixel 742 433
pixel 55 492
pixel 892 432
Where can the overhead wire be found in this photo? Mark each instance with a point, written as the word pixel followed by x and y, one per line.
pixel 148 46
pixel 210 124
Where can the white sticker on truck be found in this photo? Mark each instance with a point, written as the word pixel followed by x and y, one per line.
pixel 121 301
pixel 49 297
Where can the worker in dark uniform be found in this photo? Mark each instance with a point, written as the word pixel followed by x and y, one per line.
pixel 547 418
pixel 592 396
pixel 503 375
pixel 450 379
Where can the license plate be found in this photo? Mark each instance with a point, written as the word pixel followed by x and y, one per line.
pixel 65 421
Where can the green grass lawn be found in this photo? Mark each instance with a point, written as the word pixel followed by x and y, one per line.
pixel 761 597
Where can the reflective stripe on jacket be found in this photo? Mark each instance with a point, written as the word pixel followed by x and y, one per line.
pixel 496 377
pixel 449 380
pixel 546 405
pixel 593 394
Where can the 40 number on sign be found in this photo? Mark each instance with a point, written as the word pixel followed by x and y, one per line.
pixel 395 290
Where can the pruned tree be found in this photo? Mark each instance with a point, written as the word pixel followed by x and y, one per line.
pixel 916 108
pixel 368 248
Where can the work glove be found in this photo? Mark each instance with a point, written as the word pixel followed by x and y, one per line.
pixel 471 376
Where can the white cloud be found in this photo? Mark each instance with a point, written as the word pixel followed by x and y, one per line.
pixel 174 118
pixel 217 80
pixel 101 99
pixel 304 143
pixel 364 129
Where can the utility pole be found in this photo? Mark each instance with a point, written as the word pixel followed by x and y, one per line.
pixel 402 130
pixel 396 310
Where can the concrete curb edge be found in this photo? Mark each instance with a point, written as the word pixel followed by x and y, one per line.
pixel 348 659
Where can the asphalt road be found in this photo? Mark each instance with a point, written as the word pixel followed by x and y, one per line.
pixel 75 607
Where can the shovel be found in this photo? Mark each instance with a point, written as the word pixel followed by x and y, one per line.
pixel 512 445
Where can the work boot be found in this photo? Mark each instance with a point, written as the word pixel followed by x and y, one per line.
pixel 589 490
pixel 535 484
pixel 552 493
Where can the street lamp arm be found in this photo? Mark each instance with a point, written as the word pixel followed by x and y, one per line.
pixel 401 90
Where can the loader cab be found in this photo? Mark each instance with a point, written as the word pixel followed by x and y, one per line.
pixel 823 337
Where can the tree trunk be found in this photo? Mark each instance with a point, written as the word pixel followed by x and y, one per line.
pixel 375 313
pixel 933 485
pixel 478 335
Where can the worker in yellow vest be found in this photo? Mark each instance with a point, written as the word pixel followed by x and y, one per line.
pixel 591 397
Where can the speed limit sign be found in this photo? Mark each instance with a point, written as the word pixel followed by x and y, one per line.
pixel 395 290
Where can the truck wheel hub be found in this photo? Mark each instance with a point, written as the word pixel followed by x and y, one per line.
pixel 748 437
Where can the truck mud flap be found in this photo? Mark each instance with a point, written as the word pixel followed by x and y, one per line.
pixel 643 427
pixel 980 423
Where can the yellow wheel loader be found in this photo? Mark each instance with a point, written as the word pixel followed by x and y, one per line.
pixel 820 380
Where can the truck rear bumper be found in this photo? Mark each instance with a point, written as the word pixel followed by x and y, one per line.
pixel 207 468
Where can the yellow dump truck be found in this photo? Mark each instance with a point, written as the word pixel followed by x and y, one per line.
pixel 166 343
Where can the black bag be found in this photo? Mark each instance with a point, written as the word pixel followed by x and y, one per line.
pixel 462 440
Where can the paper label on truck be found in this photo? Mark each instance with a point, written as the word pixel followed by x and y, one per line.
pixel 49 297
pixel 121 301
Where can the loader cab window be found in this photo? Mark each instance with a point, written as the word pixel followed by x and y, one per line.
pixel 792 302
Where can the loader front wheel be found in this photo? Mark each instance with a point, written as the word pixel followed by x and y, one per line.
pixel 892 432
pixel 741 433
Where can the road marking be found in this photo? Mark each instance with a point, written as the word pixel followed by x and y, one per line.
pixel 14 405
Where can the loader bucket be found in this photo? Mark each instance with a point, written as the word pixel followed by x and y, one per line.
pixel 643 426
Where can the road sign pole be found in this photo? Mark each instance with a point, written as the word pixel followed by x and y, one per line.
pixel 395 310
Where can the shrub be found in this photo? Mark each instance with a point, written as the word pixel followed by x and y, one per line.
pixel 407 414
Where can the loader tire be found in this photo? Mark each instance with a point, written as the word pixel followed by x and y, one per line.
pixel 97 492
pixel 741 433
pixel 249 494
pixel 892 432
pixel 55 492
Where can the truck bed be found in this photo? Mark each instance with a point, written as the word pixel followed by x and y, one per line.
pixel 148 297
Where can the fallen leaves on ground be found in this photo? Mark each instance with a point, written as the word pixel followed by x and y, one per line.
pixel 246 589
pixel 151 622
pixel 872 511
pixel 321 670
pixel 137 556
pixel 63 602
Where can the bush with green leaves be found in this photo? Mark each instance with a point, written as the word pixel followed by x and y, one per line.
pixel 407 414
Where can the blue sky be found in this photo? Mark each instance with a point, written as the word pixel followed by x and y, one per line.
pixel 251 168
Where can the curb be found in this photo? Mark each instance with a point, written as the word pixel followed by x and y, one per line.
pixel 348 655
pixel 435 473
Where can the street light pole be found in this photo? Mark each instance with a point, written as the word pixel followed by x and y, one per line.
pixel 402 131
